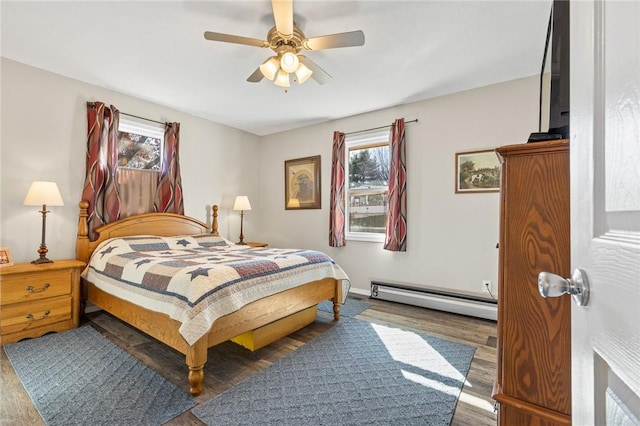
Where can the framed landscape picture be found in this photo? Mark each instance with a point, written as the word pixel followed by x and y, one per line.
pixel 302 183
pixel 477 171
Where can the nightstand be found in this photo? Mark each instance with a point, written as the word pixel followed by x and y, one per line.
pixel 256 244
pixel 37 299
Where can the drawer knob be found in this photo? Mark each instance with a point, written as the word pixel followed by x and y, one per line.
pixel 30 317
pixel 30 289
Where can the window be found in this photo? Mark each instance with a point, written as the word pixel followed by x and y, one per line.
pixel 140 154
pixel 139 145
pixel 367 186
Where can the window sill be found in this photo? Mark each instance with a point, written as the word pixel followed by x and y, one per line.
pixel 370 238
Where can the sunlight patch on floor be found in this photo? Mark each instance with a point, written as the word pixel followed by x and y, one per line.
pixel 430 383
pixel 411 349
pixel 477 402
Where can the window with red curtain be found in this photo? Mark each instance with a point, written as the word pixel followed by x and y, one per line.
pixel 368 188
pixel 130 169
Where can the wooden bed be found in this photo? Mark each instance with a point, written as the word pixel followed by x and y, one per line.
pixel 251 317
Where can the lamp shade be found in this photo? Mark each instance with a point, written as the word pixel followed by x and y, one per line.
pixel 43 193
pixel 242 203
pixel 303 73
pixel 270 67
pixel 282 79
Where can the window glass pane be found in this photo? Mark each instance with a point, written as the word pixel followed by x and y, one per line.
pixel 137 151
pixel 369 166
pixel 140 144
pixel 140 155
pixel 368 185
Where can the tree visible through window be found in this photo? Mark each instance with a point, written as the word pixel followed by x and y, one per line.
pixel 139 145
pixel 367 170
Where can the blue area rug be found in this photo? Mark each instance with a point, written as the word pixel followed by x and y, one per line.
pixel 80 377
pixel 351 307
pixel 356 373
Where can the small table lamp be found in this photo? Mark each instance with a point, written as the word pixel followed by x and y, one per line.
pixel 43 193
pixel 242 204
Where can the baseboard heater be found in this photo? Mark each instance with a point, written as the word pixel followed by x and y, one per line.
pixel 441 300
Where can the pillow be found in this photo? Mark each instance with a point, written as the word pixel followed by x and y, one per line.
pixel 155 243
pixel 208 240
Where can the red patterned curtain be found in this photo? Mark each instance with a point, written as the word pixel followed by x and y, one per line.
pixel 336 212
pixel 396 233
pixel 100 187
pixel 169 195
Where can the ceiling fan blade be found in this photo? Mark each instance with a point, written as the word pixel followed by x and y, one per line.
pixel 332 41
pixel 228 38
pixel 256 77
pixel 283 16
pixel 319 75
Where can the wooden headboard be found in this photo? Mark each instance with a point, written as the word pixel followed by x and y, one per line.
pixel 160 224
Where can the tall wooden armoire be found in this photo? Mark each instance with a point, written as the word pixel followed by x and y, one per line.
pixel 533 385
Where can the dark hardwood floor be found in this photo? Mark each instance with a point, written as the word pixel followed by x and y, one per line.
pixel 230 364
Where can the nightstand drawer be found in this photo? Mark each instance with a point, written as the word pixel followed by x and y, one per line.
pixel 34 286
pixel 24 316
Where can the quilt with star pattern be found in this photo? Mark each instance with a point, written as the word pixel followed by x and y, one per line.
pixel 198 279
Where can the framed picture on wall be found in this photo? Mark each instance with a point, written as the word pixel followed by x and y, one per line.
pixel 477 171
pixel 302 183
pixel 5 257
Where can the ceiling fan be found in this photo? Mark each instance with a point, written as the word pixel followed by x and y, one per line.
pixel 287 40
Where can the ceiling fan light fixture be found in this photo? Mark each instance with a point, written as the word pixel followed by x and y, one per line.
pixel 287 40
pixel 303 73
pixel 270 67
pixel 289 62
pixel 282 79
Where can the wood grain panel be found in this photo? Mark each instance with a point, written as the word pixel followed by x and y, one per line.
pixel 516 415
pixel 23 316
pixel 32 286
pixel 533 332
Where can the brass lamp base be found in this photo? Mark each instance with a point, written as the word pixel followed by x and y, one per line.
pixel 42 250
pixel 43 256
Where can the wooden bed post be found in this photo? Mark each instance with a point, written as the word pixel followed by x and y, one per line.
pixel 214 220
pixel 337 299
pixel 82 238
pixel 196 359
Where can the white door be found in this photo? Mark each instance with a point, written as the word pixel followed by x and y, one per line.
pixel 605 210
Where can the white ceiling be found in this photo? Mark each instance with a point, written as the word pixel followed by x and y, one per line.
pixel 414 50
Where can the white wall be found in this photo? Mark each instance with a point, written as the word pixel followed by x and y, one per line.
pixel 452 237
pixel 43 137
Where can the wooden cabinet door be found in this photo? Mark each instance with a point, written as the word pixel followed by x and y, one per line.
pixel 534 333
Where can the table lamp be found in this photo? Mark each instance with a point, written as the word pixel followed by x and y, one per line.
pixel 43 193
pixel 242 204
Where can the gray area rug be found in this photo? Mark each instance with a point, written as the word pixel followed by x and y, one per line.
pixel 354 374
pixel 80 377
pixel 351 307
